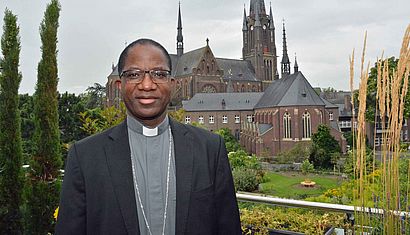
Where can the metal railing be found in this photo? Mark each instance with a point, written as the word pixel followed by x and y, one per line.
pixel 349 210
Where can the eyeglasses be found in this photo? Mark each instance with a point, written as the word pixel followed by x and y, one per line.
pixel 137 76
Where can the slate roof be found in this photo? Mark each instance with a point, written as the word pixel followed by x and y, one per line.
pixel 241 70
pixel 236 70
pixel 213 101
pixel 114 72
pixel 338 98
pixel 329 104
pixel 294 90
pixel 186 62
pixel 263 128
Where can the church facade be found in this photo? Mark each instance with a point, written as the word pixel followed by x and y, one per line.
pixel 200 71
pixel 267 111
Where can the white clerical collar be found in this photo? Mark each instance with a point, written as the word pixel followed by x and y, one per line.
pixel 136 126
pixel 146 131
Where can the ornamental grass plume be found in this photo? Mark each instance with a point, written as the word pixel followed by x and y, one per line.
pixel 392 87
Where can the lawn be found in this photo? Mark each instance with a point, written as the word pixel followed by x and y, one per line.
pixel 287 185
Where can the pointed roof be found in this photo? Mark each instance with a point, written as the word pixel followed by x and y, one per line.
pixel 245 23
pixel 186 62
pixel 271 25
pixel 285 57
pixel 257 6
pixel 257 20
pixel 114 71
pixel 179 36
pixel 295 90
pixel 296 66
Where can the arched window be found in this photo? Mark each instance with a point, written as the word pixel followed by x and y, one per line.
pixel 186 88
pixel 243 89
pixel 307 126
pixel 287 126
pixel 320 117
pixel 117 89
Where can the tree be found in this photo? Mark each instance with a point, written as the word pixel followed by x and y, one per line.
pixel 298 153
pixel 97 120
pixel 323 146
pixel 372 90
pixel 95 95
pixel 178 115
pixel 26 106
pixel 231 143
pixel 306 167
pixel 69 108
pixel 46 163
pixel 11 174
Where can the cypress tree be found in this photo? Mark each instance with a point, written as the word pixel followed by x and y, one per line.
pixel 46 161
pixel 11 174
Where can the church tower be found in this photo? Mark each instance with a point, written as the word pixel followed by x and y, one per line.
pixel 259 41
pixel 180 38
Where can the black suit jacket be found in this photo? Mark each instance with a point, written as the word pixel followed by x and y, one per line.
pixel 97 195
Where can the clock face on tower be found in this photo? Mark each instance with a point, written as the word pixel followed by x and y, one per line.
pixel 264 27
pixel 252 27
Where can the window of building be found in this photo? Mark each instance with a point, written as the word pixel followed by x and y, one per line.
pixel 117 89
pixel 331 116
pixel 376 141
pixel 345 124
pixel 211 119
pixel 249 118
pixel 237 119
pixel 405 122
pixel 321 117
pixel 201 120
pixel 306 125
pixel 187 119
pixel 287 126
pixel 406 135
pixel 224 119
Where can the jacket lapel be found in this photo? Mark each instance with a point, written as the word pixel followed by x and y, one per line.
pixel 118 157
pixel 184 164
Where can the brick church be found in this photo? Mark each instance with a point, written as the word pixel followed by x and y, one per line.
pixel 268 113
pixel 199 71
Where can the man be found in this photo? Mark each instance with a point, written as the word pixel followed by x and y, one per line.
pixel 150 174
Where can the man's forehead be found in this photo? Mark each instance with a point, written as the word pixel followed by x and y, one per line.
pixel 146 51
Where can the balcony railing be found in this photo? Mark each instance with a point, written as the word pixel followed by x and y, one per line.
pixel 349 210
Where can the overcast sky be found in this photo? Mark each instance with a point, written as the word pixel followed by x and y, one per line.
pixel 322 33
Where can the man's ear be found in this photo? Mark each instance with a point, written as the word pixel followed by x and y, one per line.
pixel 172 80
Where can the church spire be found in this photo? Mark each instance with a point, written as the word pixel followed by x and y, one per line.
pixel 285 58
pixel 257 20
pixel 180 38
pixel 296 67
pixel 271 24
pixel 245 24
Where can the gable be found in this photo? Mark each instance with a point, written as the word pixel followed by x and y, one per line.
pixel 294 90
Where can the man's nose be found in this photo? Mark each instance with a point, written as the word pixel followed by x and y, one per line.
pixel 147 83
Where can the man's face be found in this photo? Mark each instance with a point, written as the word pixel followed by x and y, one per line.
pixel 146 101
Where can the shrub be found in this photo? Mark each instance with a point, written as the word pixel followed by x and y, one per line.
pixel 245 179
pixel 261 218
pixel 298 153
pixel 241 159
